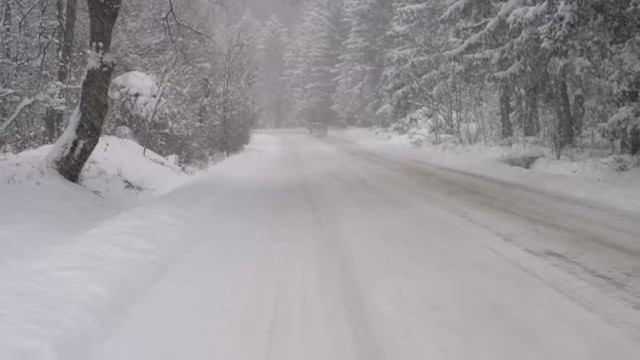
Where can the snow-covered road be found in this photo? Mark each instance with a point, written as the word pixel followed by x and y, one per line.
pixel 310 248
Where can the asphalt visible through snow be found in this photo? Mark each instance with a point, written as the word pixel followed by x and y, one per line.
pixel 318 249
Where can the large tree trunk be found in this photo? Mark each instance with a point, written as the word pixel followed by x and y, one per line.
pixel 634 141
pixel 566 121
pixel 75 146
pixel 54 117
pixel 505 111
pixel 578 114
pixel 532 117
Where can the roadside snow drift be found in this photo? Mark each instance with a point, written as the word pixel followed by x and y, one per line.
pixel 61 302
pixel 583 178
pixel 40 209
pixel 59 266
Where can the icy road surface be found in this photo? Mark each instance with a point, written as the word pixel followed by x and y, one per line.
pixel 317 249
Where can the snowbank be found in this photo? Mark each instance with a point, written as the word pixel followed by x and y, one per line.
pixel 68 252
pixel 64 301
pixel 585 178
pixel 58 304
pixel 40 210
pixel 118 168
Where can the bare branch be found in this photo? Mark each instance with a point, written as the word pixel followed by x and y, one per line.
pixel 172 16
pixel 25 103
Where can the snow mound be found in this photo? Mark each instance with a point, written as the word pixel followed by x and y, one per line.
pixel 73 256
pixel 40 210
pixel 118 167
pixel 60 303
pixel 138 88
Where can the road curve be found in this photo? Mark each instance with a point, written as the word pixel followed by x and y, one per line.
pixel 318 249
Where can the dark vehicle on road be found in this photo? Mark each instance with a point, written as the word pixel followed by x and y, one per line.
pixel 318 129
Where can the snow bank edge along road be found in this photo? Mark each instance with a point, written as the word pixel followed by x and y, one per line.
pixel 598 185
pixel 40 210
pixel 69 264
pixel 65 300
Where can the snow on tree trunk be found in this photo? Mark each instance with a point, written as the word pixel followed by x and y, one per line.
pixel 74 147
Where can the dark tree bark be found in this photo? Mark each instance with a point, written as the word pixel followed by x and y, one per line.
pixel 532 116
pixel 75 146
pixel 578 114
pixel 625 144
pixel 6 28
pixel 67 42
pixel 566 121
pixel 60 30
pixel 505 111
pixel 634 141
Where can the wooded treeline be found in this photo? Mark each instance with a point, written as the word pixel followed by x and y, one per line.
pixel 556 72
pixel 183 73
pixel 191 77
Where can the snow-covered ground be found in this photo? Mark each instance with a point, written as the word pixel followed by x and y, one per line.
pixel 588 178
pixel 305 248
pixel 40 210
pixel 52 254
pixel 311 249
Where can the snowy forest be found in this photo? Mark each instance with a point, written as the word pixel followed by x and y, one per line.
pixel 179 75
pixel 191 78
pixel 319 179
pixel 561 73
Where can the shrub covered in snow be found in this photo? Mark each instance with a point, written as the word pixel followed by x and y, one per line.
pixel 624 127
pixel 138 104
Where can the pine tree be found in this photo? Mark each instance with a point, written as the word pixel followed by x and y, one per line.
pixel 482 37
pixel 414 61
pixel 528 50
pixel 271 85
pixel 310 69
pixel 362 63
pixel 619 26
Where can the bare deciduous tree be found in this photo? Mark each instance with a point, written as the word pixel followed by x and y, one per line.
pixel 53 118
pixel 81 136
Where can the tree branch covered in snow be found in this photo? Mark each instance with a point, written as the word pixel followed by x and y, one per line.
pixel 556 72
